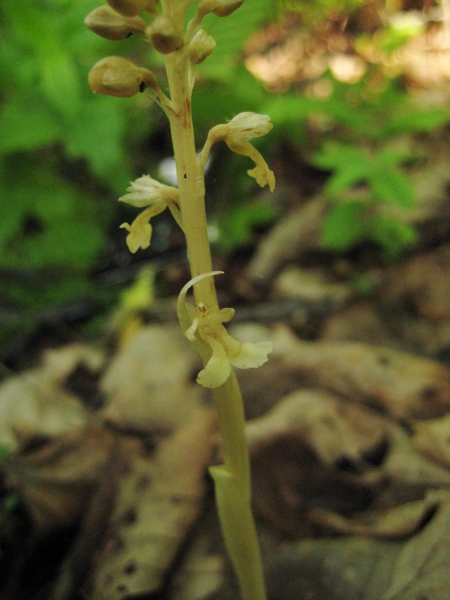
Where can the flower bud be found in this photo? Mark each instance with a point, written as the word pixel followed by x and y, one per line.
pixel 131 8
pixel 201 46
pixel 109 24
pixel 226 7
pixel 221 8
pixel 164 36
pixel 116 76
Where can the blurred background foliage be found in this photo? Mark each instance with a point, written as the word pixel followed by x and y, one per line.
pixel 325 72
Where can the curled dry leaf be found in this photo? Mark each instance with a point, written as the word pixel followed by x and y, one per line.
pixel 407 470
pixel 33 405
pixel 389 523
pixel 432 438
pixel 55 479
pixel 315 451
pixel 334 430
pixel 403 385
pixel 423 283
pixel 157 504
pixel 148 383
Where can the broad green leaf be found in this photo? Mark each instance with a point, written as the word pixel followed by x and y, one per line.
pixel 392 234
pixel 410 120
pixel 55 225
pixel 350 165
pixel 98 136
pixel 56 67
pixel 390 185
pixel 344 226
pixel 238 227
pixel 27 125
pixel 289 109
pixel 60 83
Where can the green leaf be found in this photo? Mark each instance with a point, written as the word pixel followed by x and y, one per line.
pixel 351 165
pixel 27 125
pixel 410 120
pixel 98 136
pixel 393 235
pixel 390 185
pixel 36 30
pixel 238 226
pixel 54 226
pixel 344 226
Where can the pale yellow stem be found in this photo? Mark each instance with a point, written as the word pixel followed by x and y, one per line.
pixel 232 479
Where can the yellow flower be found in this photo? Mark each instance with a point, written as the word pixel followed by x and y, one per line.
pixel 146 191
pixel 237 135
pixel 226 351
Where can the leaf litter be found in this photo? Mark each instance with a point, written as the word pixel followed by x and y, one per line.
pixel 350 467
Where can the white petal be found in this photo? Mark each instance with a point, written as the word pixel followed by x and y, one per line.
pixel 251 355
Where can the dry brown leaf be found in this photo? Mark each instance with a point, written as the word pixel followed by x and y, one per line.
pixel 158 501
pixel 148 383
pixel 33 405
pixel 407 469
pixel 415 301
pixel 333 429
pixel 55 479
pixel 314 450
pixel 421 570
pixel 432 438
pixel 358 322
pixel 390 523
pixel 403 385
pixel 312 285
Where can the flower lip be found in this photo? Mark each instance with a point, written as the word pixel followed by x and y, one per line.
pixel 226 351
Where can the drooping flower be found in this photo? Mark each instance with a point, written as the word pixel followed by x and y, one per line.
pixel 226 351
pixel 237 134
pixel 146 191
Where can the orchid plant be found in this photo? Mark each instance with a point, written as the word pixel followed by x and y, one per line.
pixel 184 44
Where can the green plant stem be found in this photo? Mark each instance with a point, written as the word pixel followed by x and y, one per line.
pixel 232 479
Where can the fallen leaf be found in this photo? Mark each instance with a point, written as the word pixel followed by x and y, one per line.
pixel 148 385
pixel 432 438
pixel 55 479
pixel 403 385
pixel 421 571
pixel 333 429
pixel 389 523
pixel 158 502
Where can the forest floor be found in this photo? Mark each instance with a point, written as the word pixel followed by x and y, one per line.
pixel 106 494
